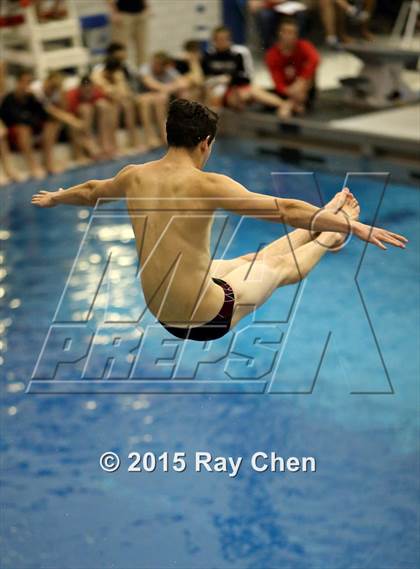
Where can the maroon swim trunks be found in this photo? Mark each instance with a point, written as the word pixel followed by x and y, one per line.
pixel 216 328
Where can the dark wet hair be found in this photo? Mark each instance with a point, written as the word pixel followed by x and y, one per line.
pixel 189 123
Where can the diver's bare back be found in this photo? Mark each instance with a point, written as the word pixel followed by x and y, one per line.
pixel 172 218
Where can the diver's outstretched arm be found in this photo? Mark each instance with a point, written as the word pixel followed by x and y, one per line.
pixel 232 196
pixel 86 194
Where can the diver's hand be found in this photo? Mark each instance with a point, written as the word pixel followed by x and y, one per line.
pixel 378 236
pixel 45 199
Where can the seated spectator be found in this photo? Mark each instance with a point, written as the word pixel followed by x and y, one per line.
pixel 112 80
pixel 225 64
pixel 334 13
pixel 292 63
pixel 27 119
pixel 228 70
pixel 88 103
pixel 51 95
pixel 159 80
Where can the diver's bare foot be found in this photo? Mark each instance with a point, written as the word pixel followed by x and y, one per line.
pixel 337 202
pixel 345 202
pixel 351 207
pixel 351 210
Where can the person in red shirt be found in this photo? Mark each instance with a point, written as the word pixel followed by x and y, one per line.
pixel 292 63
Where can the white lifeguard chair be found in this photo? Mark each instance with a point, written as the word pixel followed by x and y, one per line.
pixel 43 46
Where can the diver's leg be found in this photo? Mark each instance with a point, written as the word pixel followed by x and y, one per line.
pixel 254 282
pixel 282 246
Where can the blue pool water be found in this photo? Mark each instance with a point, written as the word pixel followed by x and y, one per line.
pixel 355 409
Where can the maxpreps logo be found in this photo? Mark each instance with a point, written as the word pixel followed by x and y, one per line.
pixel 103 339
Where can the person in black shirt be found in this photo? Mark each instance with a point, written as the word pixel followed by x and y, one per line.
pixel 26 117
pixel 224 60
pixel 228 69
pixel 129 24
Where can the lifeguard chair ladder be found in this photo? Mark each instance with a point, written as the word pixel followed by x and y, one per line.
pixel 39 45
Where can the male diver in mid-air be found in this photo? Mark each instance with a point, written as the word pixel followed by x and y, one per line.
pixel 171 202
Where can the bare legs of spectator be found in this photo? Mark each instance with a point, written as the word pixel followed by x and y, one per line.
pixel 186 87
pixel 83 143
pixel 328 17
pixel 334 21
pixel 7 171
pixel 343 9
pixel 152 110
pixel 161 109
pixel 239 98
pixel 107 113
pixel 144 104
pixel 214 94
pixel 49 138
pixel 128 109
pixel 341 24
pixel 25 144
